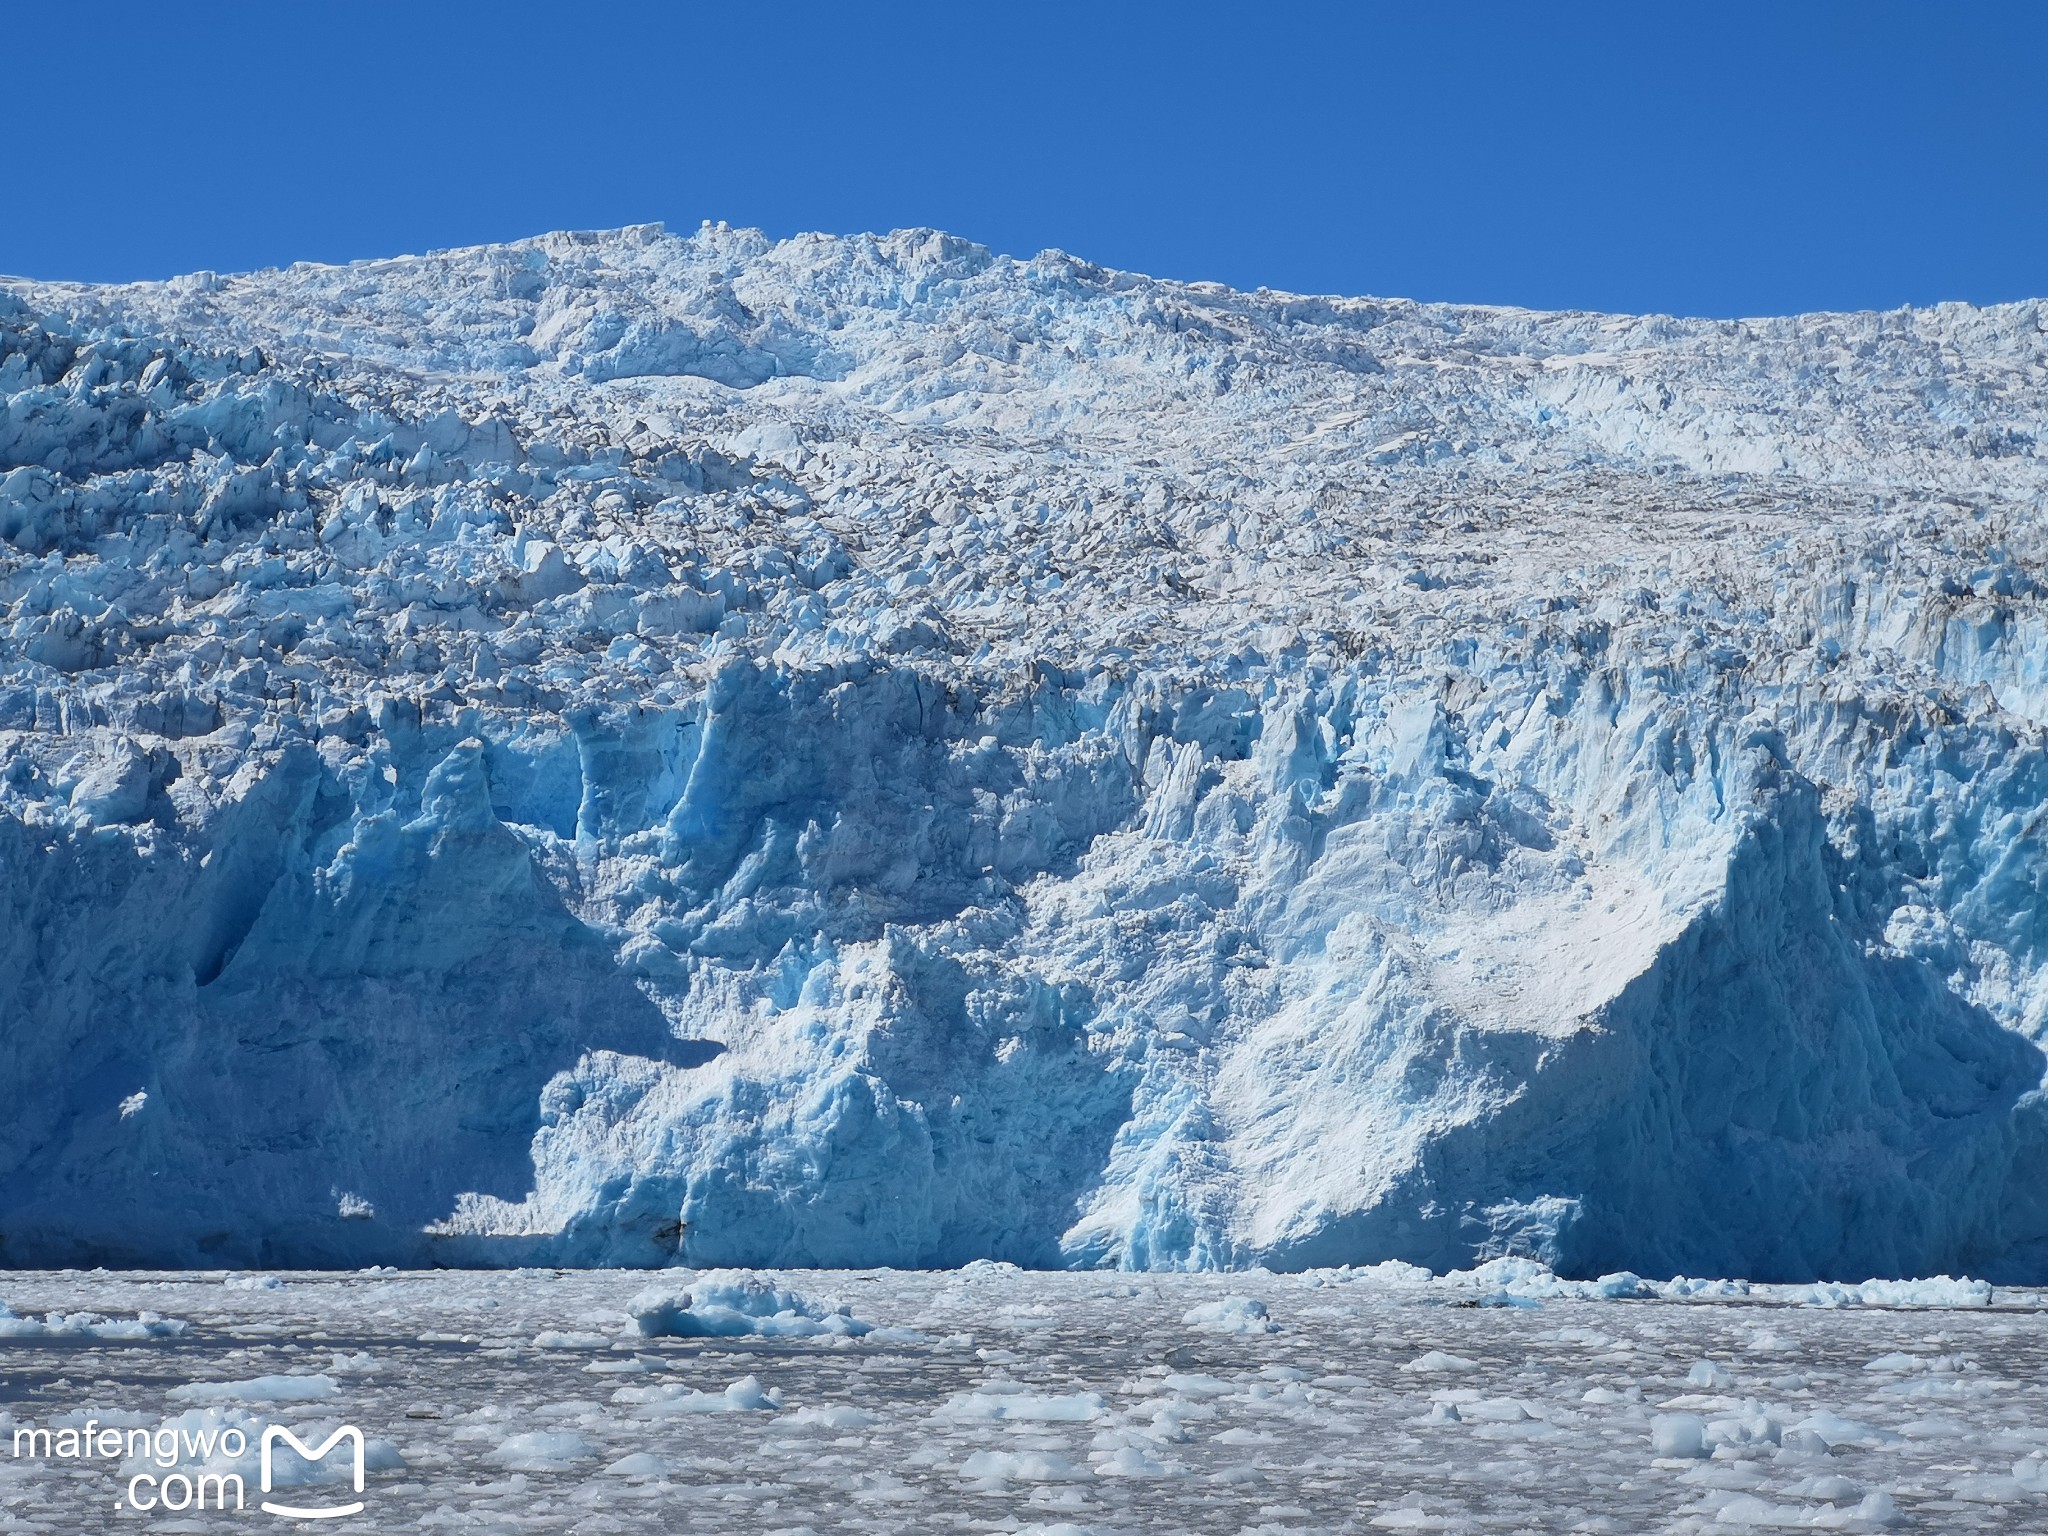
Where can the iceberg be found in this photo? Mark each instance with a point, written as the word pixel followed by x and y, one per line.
pixel 723 1304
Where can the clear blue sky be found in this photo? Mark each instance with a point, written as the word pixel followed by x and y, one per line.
pixel 1700 158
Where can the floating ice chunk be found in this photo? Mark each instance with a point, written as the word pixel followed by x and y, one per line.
pixel 1233 1314
pixel 1938 1291
pixel 1836 1430
pixel 641 1464
pixel 1989 1488
pixel 1743 1429
pixel 1507 1298
pixel 1875 1511
pixel 1242 1436
pixel 1168 1426
pixel 106 1418
pixel 252 1283
pixel 1510 1282
pixel 1703 1290
pixel 1833 1488
pixel 729 1304
pixel 1497 1410
pixel 1006 1400
pixel 1678 1435
pixel 549 1338
pixel 1621 1286
pixel 637 1365
pixel 1130 1461
pixel 89 1325
pixel 1825 1294
pixel 258 1389
pixel 837 1416
pixel 1705 1373
pixel 1390 1272
pixel 1438 1360
pixel 145 1325
pixel 1196 1385
pixel 1747 1511
pixel 1020 1467
pixel 543 1451
pixel 1502 1273
pixel 746 1395
pixel 1409 1518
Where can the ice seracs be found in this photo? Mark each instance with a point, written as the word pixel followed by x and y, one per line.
pixel 621 748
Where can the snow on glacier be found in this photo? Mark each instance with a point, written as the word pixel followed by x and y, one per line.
pixel 618 748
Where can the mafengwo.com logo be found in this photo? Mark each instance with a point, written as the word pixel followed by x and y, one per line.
pixel 183 1466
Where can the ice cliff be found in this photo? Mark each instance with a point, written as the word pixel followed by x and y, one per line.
pixel 861 751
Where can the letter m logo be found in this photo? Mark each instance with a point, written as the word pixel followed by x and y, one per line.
pixel 276 1432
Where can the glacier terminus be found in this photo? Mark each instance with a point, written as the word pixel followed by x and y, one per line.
pixel 626 749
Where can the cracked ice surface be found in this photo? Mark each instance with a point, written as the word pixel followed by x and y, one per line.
pixel 995 1400
pixel 849 751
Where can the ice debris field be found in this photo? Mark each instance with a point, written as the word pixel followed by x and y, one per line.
pixel 989 1399
pixel 632 749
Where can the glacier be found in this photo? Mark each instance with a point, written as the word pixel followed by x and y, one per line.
pixel 632 749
